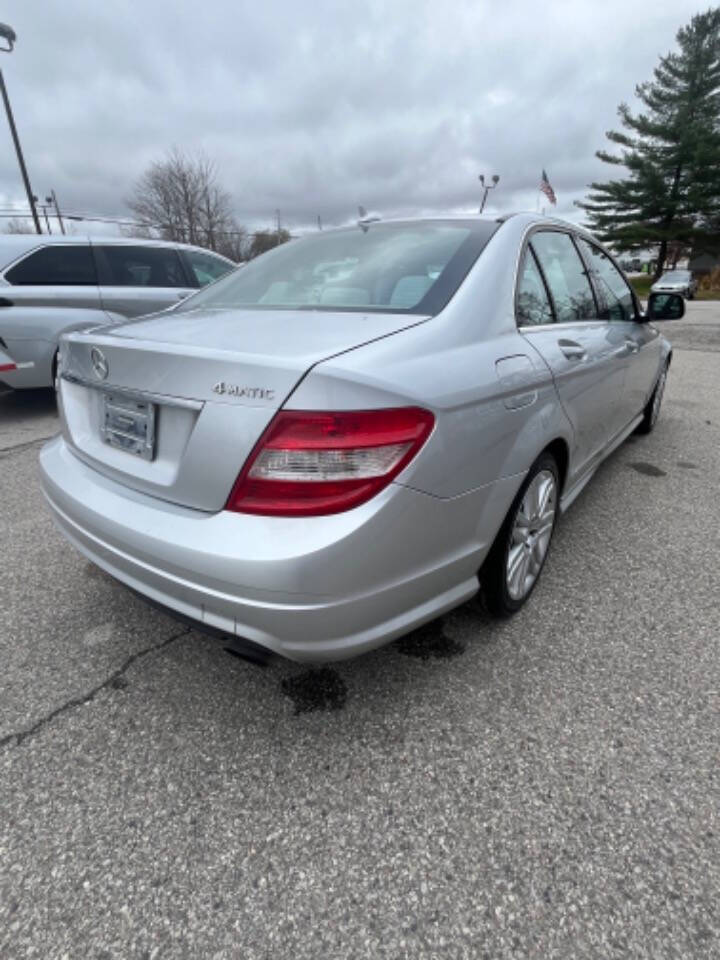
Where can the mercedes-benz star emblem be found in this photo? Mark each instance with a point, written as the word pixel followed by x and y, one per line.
pixel 99 363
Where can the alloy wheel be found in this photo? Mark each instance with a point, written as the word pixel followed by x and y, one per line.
pixel 530 536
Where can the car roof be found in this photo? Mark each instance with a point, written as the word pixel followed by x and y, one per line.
pixel 528 218
pixel 13 245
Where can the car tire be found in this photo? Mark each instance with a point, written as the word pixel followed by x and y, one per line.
pixel 652 407
pixel 512 568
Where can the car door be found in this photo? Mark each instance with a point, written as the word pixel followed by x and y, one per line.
pixel 638 344
pixel 54 275
pixel 136 279
pixel 558 314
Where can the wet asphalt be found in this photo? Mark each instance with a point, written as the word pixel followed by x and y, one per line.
pixel 542 787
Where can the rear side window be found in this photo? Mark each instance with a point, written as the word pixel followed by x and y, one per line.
pixel 204 267
pixel 55 266
pixel 533 305
pixel 128 266
pixel 566 277
pixel 619 303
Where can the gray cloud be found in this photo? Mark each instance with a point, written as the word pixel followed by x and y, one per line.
pixel 314 108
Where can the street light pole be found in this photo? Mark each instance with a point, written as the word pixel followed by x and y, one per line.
pixel 487 188
pixel 8 34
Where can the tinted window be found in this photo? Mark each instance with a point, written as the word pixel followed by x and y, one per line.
pixel 566 277
pixel 205 268
pixel 401 267
pixel 619 303
pixel 55 266
pixel 128 266
pixel 533 306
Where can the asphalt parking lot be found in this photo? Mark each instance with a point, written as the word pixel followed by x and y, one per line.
pixel 545 787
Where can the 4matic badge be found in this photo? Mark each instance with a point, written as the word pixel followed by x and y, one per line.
pixel 235 390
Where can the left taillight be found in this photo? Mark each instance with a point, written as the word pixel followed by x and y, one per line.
pixel 309 463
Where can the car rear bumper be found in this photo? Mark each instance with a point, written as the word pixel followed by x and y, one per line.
pixel 320 588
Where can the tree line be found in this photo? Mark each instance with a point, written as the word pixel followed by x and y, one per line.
pixel 179 198
pixel 668 198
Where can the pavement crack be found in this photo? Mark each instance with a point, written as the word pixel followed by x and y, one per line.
pixel 114 680
pixel 25 445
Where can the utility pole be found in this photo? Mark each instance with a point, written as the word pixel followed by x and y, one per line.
pixel 277 221
pixel 487 188
pixel 319 223
pixel 8 35
pixel 43 207
pixel 53 200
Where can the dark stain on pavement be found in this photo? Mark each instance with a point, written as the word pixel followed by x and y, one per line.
pixel 687 465
pixel 322 689
pixel 429 643
pixel 648 469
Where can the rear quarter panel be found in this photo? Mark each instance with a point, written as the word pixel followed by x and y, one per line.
pixel 481 433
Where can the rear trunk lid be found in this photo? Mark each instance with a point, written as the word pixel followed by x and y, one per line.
pixel 172 405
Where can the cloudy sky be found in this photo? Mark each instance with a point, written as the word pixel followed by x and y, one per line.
pixel 315 107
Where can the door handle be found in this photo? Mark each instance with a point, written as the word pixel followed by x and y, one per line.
pixel 572 350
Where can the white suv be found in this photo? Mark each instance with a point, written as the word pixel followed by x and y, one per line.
pixel 53 284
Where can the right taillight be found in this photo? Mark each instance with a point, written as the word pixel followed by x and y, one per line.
pixel 309 463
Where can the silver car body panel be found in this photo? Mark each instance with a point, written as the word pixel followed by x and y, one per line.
pixel 32 336
pixel 328 587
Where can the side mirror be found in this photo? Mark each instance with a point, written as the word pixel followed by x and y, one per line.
pixel 665 306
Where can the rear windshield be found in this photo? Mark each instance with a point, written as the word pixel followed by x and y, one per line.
pixel 399 268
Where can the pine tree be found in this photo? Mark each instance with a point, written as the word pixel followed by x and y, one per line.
pixel 671 193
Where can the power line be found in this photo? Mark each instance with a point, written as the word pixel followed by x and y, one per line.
pixel 122 222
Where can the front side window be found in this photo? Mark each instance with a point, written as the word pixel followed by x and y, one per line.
pixel 400 268
pixel 619 302
pixel 533 306
pixel 55 266
pixel 205 268
pixel 565 275
pixel 124 265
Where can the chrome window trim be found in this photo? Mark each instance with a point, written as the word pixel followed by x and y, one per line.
pixel 159 398
pixel 566 325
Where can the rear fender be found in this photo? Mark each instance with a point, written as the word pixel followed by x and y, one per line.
pixel 480 436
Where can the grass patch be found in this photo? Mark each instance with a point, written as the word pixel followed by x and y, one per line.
pixel 641 286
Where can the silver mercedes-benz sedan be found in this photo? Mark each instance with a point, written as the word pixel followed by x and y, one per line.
pixel 357 431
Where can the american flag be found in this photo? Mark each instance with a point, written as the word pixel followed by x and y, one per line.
pixel 547 189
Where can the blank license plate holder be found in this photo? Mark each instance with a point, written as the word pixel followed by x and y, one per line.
pixel 129 424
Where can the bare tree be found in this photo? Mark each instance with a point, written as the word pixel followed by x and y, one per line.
pixel 18 225
pixel 179 198
pixel 265 240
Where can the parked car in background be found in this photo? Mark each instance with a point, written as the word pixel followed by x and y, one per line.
pixel 676 281
pixel 348 436
pixel 53 284
pixel 29 338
